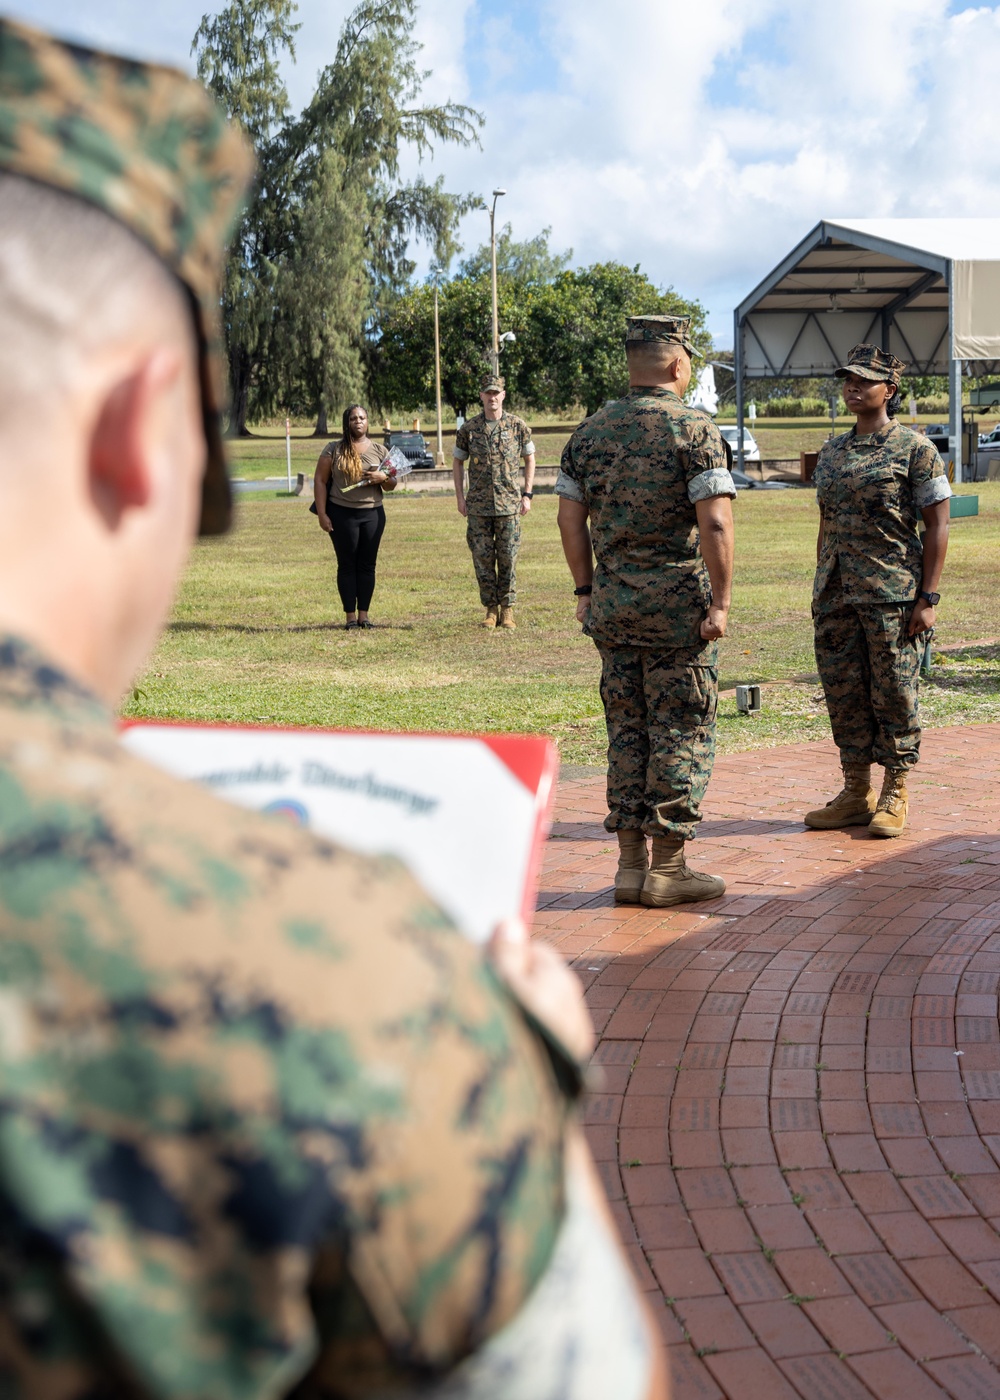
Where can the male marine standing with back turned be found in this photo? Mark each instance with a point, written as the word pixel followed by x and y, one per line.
pixel 493 443
pixel 269 1124
pixel 644 485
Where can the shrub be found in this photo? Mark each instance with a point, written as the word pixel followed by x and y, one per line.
pixel 797 408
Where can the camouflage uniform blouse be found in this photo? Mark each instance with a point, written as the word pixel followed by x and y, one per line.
pixel 494 452
pixel 871 491
pixel 264 1114
pixel 639 465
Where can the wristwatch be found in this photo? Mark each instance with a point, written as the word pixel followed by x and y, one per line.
pixel 584 590
pixel 527 495
pixel 932 598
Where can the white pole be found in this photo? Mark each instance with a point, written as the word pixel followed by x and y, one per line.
pixel 954 383
pixel 493 287
pixel 738 371
pixel 288 450
pixel 437 378
pixel 955 416
pixel 493 279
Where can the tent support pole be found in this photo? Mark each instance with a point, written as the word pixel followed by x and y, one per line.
pixel 954 382
pixel 738 370
pixel 955 413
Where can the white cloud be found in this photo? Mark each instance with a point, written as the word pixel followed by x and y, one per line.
pixel 673 135
pixel 701 140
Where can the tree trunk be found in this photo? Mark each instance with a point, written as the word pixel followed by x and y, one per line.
pixel 322 429
pixel 239 380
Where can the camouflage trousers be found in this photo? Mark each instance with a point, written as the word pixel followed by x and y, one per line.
pixel 870 670
pixel 660 711
pixel 494 541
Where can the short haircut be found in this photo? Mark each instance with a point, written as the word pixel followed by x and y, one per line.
pixel 654 354
pixel 72 280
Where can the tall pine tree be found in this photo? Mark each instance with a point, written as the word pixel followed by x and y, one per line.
pixel 326 239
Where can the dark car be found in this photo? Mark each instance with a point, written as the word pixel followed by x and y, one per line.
pixel 742 482
pixel 413 447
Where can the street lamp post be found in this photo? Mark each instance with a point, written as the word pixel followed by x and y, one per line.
pixel 493 276
pixel 437 377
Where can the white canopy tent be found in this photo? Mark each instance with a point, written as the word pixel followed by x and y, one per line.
pixel 928 290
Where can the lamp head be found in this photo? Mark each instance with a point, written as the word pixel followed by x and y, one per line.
pixel 498 193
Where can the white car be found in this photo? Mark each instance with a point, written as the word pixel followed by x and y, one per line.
pixel 731 434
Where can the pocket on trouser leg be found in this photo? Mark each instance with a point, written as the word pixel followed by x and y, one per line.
pixel 909 650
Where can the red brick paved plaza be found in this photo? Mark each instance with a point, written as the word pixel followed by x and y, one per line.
pixel 799 1120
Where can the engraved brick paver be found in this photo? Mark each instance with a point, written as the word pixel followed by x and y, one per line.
pixel 799 1119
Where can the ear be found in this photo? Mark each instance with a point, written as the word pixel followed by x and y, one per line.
pixel 122 442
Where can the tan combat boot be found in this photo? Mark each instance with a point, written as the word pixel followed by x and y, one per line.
pixel 633 862
pixel 490 620
pixel 853 805
pixel 670 881
pixel 890 814
pixel 507 618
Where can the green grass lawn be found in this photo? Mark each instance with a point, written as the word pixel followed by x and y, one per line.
pixel 263 455
pixel 255 637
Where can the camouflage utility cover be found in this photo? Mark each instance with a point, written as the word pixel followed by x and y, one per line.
pixel 869 362
pixel 492 381
pixel 640 465
pixel 871 491
pixel 151 148
pixel 672 330
pixel 263 1113
pixel 494 452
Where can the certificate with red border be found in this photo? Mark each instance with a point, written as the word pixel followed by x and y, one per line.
pixel 468 814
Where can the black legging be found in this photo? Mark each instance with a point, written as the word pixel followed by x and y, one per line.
pixel 356 536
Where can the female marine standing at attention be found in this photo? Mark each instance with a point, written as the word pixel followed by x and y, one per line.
pixel 874 594
pixel 348 488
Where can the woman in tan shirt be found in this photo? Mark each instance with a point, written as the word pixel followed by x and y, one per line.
pixel 348 488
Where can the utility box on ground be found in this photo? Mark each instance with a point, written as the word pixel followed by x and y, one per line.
pixel 963 505
pixel 807 465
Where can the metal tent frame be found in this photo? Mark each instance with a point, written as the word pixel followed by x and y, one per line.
pixel 891 282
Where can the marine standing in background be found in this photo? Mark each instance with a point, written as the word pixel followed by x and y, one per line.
pixel 874 595
pixel 494 443
pixel 644 485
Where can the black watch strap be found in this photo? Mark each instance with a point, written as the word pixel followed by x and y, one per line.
pixel 527 495
pixel 584 590
pixel 932 598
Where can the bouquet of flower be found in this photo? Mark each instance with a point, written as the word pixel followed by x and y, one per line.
pixel 394 465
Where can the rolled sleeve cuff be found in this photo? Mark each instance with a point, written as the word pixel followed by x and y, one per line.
pixel 528 450
pixel 928 493
pixel 717 482
pixel 460 454
pixel 566 486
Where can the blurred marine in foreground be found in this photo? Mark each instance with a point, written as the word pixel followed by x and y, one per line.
pixel 644 486
pixel 269 1125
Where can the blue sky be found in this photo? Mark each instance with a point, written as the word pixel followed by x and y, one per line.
pixel 699 140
